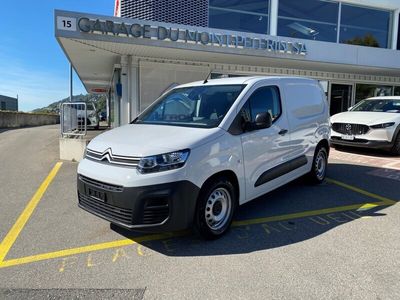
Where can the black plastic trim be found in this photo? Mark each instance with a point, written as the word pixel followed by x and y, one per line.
pixel 362 143
pixel 177 198
pixel 280 170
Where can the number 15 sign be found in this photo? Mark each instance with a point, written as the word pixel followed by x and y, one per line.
pixel 65 23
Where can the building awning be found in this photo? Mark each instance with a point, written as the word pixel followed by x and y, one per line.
pixel 94 45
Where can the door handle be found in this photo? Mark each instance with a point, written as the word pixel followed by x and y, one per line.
pixel 283 132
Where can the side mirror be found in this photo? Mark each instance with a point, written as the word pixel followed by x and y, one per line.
pixel 263 120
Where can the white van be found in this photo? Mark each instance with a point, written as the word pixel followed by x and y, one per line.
pixel 204 148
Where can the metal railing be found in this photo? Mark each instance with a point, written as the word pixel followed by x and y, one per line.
pixel 73 119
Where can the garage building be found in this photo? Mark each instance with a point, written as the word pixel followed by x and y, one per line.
pixel 149 46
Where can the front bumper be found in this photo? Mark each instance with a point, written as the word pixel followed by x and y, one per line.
pixel 362 143
pixel 160 207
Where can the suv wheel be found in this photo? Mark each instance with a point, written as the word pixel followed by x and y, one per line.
pixel 215 208
pixel 319 165
pixel 396 146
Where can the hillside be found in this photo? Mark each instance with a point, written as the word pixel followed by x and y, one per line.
pixel 99 100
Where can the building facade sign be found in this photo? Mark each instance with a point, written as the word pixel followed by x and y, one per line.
pixel 184 35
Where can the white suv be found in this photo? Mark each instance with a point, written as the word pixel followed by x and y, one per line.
pixel 204 148
pixel 371 123
pixel 92 118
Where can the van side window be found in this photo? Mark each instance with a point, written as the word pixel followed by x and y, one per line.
pixel 265 99
pixel 245 113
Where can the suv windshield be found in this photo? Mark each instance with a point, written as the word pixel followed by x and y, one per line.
pixel 378 105
pixel 90 106
pixel 198 106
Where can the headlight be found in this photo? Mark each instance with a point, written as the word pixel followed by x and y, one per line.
pixel 163 162
pixel 384 125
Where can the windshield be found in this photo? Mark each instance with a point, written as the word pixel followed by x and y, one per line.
pixel 378 105
pixel 199 106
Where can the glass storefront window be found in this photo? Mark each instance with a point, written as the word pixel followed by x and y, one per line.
pixel 398 37
pixel 308 19
pixel 364 26
pixel 239 15
pixel 397 91
pixel 364 91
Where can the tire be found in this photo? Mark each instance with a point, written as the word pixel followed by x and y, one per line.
pixel 215 208
pixel 319 166
pixel 396 146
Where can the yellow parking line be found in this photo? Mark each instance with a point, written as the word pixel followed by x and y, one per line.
pixel 90 248
pixel 154 237
pixel 126 242
pixel 12 235
pixel 385 201
pixel 303 214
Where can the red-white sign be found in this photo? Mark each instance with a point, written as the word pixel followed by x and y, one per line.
pixel 98 90
pixel 117 8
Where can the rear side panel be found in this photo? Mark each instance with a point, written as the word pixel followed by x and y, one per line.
pixel 308 115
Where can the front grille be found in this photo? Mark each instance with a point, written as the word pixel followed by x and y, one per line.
pixel 155 211
pixel 101 185
pixel 122 215
pixel 109 157
pixel 350 129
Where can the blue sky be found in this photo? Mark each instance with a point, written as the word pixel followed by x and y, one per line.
pixel 32 63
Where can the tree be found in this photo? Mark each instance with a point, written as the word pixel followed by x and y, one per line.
pixel 368 40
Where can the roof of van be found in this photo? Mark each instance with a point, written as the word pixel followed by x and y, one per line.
pixel 243 80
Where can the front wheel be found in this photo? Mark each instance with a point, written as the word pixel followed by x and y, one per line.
pixel 396 147
pixel 319 165
pixel 215 208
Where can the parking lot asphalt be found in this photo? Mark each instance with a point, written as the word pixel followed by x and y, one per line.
pixel 337 240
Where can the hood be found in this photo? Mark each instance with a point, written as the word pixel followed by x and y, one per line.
pixel 144 139
pixel 365 117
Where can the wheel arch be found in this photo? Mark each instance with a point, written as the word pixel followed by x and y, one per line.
pixel 324 143
pixel 396 133
pixel 231 177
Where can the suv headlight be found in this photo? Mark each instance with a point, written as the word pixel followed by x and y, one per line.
pixel 384 125
pixel 163 162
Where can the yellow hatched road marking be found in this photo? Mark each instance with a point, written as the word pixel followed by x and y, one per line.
pixel 383 201
pixel 90 248
pixel 12 235
pixel 308 213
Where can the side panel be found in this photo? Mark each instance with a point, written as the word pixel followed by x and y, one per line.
pixel 265 149
pixel 308 116
pixel 223 154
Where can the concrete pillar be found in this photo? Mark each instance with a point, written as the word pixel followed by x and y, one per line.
pixel 395 28
pixel 134 87
pixel 125 103
pixel 273 17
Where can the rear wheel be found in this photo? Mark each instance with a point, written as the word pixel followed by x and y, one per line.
pixel 319 165
pixel 215 208
pixel 396 146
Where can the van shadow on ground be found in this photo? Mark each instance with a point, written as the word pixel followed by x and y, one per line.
pixel 295 197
